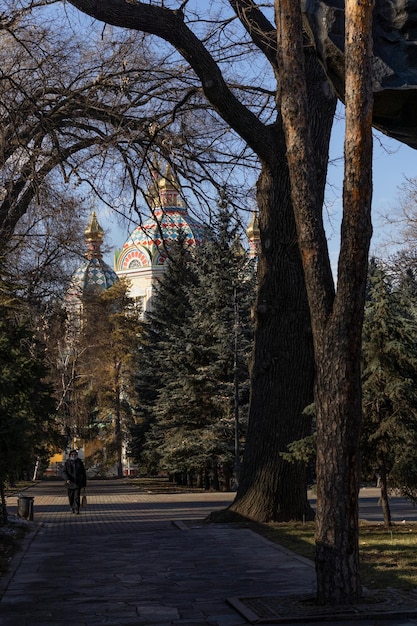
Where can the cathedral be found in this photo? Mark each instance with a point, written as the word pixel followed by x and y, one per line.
pixel 143 257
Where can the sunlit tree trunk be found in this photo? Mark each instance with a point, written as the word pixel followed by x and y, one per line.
pixel 336 317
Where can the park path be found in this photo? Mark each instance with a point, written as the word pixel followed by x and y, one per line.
pixel 140 559
pixel 146 559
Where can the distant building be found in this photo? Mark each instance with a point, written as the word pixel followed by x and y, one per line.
pixel 143 257
pixel 254 237
pixel 92 276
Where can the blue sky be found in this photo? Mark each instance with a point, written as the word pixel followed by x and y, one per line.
pixel 392 163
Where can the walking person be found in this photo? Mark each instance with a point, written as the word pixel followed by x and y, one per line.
pixel 75 480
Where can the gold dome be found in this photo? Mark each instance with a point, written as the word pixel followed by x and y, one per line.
pixel 252 230
pixel 94 238
pixel 94 230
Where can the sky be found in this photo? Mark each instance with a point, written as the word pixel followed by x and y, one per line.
pixel 393 162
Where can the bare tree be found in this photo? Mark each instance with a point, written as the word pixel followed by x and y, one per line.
pixel 87 111
pixel 47 244
pixel 283 368
pixel 92 364
pixel 82 121
pixel 400 223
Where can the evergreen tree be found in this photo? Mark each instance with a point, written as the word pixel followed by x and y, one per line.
pixel 222 332
pixel 27 430
pixel 203 351
pixel 162 352
pixel 389 433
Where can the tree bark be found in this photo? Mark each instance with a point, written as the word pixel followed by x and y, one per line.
pixel 336 318
pixel 282 374
pixel 386 510
pixel 338 412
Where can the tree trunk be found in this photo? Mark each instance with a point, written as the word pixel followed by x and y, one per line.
pixel 338 410
pixel 336 318
pixel 386 510
pixel 338 345
pixel 282 373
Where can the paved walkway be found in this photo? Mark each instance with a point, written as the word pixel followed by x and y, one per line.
pixel 137 559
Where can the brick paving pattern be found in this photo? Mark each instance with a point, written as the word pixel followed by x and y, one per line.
pixel 139 559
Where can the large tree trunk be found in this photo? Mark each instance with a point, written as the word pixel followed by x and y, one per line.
pixel 282 374
pixel 336 318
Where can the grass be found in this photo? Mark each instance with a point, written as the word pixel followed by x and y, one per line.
pixel 388 556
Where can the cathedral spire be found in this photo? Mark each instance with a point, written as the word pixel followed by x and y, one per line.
pixel 169 189
pixel 164 190
pixel 94 238
pixel 254 236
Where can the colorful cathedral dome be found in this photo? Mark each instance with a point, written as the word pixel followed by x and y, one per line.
pixel 93 275
pixel 146 246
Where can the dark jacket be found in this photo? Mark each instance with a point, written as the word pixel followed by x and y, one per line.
pixel 74 471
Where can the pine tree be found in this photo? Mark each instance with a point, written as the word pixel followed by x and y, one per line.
pixel 389 433
pixel 162 351
pixel 205 361
pixel 27 429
